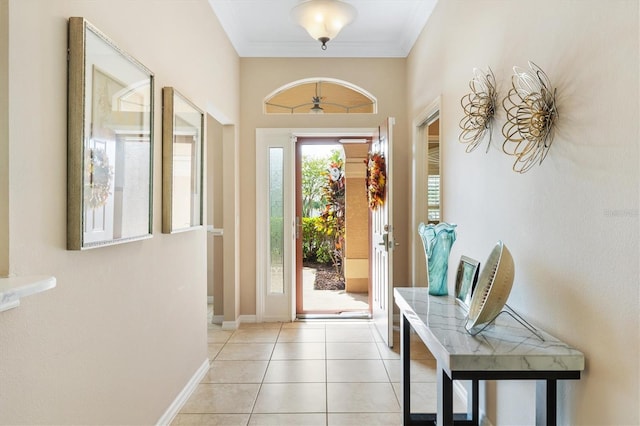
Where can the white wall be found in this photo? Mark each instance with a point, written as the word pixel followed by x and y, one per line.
pixel 4 137
pixel 571 223
pixel 215 258
pixel 125 329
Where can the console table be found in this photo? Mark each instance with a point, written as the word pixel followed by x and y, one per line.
pixel 506 350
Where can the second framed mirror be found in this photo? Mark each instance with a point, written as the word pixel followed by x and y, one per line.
pixel 427 183
pixel 182 152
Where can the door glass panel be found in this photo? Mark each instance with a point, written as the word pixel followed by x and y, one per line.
pixel 276 222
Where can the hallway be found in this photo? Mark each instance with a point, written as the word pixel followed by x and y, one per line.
pixel 307 373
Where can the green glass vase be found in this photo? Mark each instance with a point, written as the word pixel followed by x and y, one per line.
pixel 437 241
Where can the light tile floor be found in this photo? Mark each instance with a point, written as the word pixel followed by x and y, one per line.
pixel 306 374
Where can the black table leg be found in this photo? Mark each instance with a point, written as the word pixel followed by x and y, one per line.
pixel 475 402
pixel 445 399
pixel 405 379
pixel 546 402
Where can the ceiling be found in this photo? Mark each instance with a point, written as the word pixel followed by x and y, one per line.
pixel 381 29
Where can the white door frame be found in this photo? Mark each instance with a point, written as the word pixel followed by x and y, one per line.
pixel 382 240
pixel 286 138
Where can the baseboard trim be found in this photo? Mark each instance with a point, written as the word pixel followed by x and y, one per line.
pixel 273 319
pixel 217 319
pixel 230 325
pixel 484 421
pixel 184 395
pixel 233 325
pixel 246 319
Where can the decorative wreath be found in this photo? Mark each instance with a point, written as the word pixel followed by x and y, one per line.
pixel 376 180
pixel 98 179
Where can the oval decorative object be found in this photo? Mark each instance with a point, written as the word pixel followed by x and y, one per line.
pixel 493 288
pixel 531 116
pixel 479 109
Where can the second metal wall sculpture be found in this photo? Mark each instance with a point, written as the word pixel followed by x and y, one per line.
pixel 531 111
pixel 531 116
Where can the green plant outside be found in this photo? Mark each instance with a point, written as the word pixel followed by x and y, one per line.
pixel 316 245
pixel 323 189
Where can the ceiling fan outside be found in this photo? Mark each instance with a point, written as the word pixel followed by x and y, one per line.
pixel 316 108
pixel 320 97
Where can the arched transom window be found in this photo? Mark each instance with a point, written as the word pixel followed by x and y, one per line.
pixel 320 96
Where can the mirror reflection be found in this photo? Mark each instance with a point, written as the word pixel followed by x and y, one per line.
pixel 433 171
pixel 110 110
pixel 182 167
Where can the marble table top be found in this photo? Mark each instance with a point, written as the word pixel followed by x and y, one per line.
pixel 505 345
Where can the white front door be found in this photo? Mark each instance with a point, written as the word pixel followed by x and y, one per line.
pixel 382 242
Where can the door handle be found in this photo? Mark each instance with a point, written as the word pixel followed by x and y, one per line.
pixel 386 243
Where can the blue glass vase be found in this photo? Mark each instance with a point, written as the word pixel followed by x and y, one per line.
pixel 437 241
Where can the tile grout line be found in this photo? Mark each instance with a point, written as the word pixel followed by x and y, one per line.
pixel 257 393
pixel 264 375
pixel 326 379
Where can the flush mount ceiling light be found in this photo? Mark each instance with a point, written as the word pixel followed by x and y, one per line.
pixel 323 19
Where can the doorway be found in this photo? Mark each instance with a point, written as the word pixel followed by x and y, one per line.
pixel 332 250
pixel 279 218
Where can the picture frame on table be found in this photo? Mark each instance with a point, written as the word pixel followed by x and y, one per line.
pixel 183 127
pixel 466 280
pixel 109 142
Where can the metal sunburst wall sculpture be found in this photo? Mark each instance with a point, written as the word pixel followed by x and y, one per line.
pixel 531 117
pixel 479 108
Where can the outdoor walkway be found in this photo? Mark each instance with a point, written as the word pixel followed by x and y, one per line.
pixel 330 300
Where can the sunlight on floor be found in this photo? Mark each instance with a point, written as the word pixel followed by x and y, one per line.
pixel 330 300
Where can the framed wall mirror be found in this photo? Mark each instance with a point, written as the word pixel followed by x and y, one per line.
pixel 182 151
pixel 110 142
